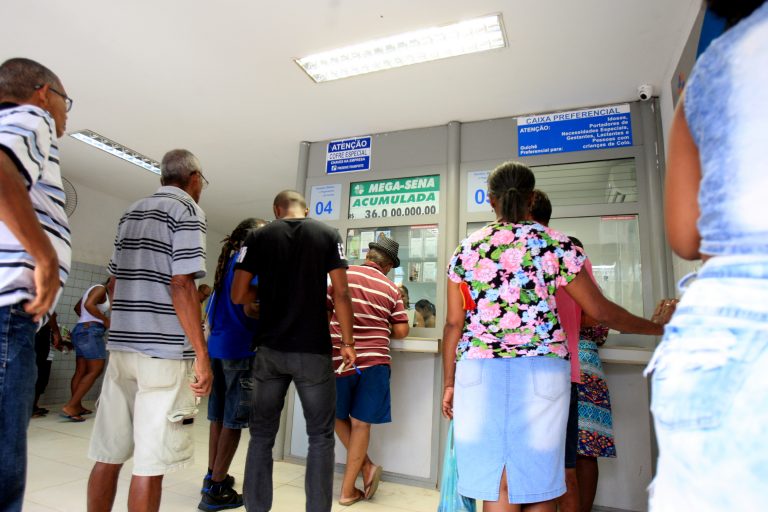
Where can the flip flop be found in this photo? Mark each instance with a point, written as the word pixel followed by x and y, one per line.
pixel 85 411
pixel 75 418
pixel 373 485
pixel 352 501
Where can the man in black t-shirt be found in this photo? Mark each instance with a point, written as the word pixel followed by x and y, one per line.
pixel 292 257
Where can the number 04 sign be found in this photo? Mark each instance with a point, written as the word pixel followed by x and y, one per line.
pixel 324 202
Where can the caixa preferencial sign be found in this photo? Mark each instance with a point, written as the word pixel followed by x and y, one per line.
pixel 348 155
pixel 576 130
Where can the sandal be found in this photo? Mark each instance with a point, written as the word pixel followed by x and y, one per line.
pixel 75 418
pixel 372 486
pixel 352 501
pixel 85 411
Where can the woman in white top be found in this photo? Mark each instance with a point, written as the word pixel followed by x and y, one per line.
pixel 90 347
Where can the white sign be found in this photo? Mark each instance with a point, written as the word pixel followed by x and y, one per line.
pixel 477 192
pixel 325 202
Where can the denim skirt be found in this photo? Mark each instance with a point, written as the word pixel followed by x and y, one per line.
pixel 511 414
pixel 710 392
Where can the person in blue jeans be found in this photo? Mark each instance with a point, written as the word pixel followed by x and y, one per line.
pixel 709 386
pixel 34 261
pixel 232 328
pixel 88 338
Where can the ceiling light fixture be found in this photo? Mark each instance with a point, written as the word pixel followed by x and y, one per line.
pixel 471 36
pixel 116 149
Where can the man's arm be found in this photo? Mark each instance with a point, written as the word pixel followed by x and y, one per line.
pixel 242 290
pixel 17 213
pixel 400 331
pixel 184 297
pixel 343 305
pixel 55 331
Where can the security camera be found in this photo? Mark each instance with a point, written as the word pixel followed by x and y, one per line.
pixel 645 92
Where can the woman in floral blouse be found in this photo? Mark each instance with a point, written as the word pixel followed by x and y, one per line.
pixel 506 350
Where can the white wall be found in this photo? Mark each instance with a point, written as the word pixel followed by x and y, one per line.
pixel 682 60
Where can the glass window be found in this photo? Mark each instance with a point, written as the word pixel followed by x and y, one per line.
pixel 607 181
pixel 418 272
pixel 613 246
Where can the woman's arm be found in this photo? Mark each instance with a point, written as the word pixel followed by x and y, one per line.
pixel 681 189
pixel 97 296
pixel 610 314
pixel 454 325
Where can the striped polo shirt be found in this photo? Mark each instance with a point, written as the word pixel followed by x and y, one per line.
pixel 160 236
pixel 28 138
pixel 376 303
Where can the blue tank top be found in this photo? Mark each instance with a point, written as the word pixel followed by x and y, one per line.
pixel 726 107
pixel 232 332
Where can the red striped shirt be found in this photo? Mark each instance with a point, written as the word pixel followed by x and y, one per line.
pixel 376 303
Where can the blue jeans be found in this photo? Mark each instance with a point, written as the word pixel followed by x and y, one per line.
pixel 88 339
pixel 17 393
pixel 230 399
pixel 312 374
pixel 710 392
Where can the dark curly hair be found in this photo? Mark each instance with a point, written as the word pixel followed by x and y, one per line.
pixel 232 244
pixel 733 11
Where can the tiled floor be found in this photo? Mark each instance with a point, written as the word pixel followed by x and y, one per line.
pixel 58 474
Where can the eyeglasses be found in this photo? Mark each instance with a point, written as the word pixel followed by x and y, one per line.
pixel 67 100
pixel 205 181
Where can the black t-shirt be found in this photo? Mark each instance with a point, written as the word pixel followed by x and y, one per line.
pixel 292 258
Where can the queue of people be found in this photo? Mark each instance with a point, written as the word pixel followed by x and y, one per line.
pixel 522 378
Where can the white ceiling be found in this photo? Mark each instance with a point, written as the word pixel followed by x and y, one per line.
pixel 218 77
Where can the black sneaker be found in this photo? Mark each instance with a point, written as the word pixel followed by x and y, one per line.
pixel 220 497
pixel 229 481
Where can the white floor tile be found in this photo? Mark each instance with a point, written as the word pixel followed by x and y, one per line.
pixel 58 471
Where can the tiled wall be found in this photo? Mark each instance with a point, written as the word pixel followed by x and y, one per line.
pixel 81 278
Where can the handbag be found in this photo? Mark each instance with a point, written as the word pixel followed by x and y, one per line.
pixel 450 499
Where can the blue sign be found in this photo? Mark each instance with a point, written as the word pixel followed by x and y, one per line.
pixel 348 155
pixel 578 130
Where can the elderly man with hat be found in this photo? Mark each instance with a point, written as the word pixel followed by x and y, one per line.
pixel 362 390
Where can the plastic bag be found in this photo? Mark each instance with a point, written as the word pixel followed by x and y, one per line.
pixel 450 499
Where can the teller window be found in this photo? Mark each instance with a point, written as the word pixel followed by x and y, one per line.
pixel 612 243
pixel 418 272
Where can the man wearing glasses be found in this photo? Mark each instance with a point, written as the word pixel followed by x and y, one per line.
pixel 158 358
pixel 35 250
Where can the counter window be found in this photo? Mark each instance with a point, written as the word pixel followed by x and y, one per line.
pixel 418 272
pixel 612 243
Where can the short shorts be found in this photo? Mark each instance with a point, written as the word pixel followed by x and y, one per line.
pixel 88 339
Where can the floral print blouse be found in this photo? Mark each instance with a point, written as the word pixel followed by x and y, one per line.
pixel 513 271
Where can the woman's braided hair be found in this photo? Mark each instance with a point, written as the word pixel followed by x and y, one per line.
pixel 232 243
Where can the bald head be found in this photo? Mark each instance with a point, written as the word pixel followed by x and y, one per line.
pixel 289 203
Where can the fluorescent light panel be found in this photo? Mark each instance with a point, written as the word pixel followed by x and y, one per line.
pixel 116 149
pixel 471 36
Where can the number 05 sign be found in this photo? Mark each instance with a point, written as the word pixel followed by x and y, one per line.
pixel 399 197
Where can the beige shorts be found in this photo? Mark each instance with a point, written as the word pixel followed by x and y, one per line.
pixel 141 412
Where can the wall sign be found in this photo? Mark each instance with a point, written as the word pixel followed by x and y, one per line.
pixel 477 191
pixel 577 130
pixel 348 155
pixel 398 197
pixel 324 202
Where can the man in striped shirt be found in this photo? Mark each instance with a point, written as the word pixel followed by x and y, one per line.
pixel 35 247
pixel 362 390
pixel 158 358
